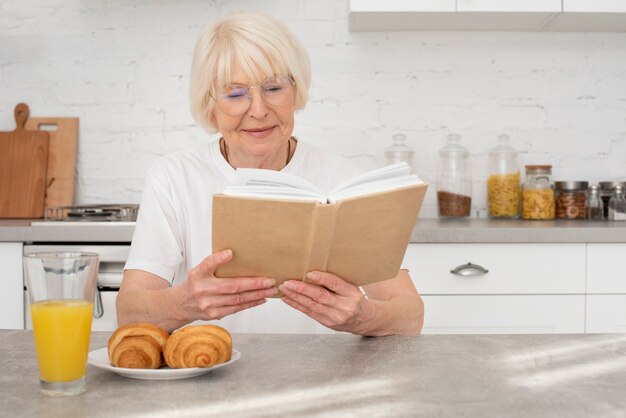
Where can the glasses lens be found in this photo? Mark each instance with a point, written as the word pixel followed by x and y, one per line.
pixel 235 99
pixel 277 89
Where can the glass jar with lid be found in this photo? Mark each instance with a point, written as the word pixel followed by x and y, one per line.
pixel 399 151
pixel 570 199
pixel 454 179
pixel 503 181
pixel 606 191
pixel 617 204
pixel 538 193
pixel 595 205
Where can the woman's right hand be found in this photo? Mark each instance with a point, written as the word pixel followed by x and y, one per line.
pixel 204 296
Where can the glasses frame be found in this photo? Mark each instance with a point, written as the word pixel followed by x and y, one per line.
pixel 249 96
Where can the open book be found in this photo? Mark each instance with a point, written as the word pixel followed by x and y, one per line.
pixel 279 225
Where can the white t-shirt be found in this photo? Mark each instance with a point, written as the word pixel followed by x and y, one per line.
pixel 173 231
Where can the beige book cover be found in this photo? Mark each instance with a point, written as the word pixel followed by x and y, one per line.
pixel 361 238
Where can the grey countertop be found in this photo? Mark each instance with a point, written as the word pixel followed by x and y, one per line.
pixel 425 231
pixel 569 376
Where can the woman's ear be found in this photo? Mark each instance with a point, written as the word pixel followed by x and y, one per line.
pixel 213 119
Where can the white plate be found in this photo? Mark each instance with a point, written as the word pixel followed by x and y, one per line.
pixel 100 359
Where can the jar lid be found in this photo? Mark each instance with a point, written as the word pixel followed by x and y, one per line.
pixel 503 146
pixel 609 185
pixel 453 148
pixel 399 150
pixel 538 168
pixel 571 185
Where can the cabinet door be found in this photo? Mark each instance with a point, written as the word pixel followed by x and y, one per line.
pixel 402 6
pixel 598 6
pixel 606 270
pixel 512 268
pixel 606 313
pixel 11 286
pixel 508 6
pixel 540 314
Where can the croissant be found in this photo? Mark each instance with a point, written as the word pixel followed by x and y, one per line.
pixel 198 346
pixel 137 346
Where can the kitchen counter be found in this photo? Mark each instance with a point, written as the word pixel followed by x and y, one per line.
pixel 345 375
pixel 426 231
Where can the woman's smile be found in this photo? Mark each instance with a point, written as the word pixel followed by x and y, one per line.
pixel 260 132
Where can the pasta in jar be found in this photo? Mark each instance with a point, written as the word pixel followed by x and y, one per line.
pixel 503 195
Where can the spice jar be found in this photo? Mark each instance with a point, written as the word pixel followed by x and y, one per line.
pixel 595 205
pixel 570 199
pixel 538 193
pixel 399 151
pixel 503 183
pixel 606 191
pixel 617 204
pixel 454 182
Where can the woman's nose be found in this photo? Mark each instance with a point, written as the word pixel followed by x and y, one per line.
pixel 258 107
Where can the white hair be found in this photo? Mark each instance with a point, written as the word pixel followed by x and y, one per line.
pixel 259 45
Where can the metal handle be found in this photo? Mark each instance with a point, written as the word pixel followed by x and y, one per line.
pixel 469 270
pixel 98 310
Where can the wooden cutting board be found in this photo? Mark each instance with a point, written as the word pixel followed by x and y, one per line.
pixel 61 158
pixel 23 164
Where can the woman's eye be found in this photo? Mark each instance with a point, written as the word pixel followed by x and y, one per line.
pixel 234 93
pixel 273 89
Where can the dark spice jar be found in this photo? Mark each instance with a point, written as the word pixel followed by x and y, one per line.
pixel 606 191
pixel 570 199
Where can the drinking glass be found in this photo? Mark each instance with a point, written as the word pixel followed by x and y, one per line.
pixel 61 288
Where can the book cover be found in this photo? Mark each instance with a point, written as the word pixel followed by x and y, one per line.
pixel 361 238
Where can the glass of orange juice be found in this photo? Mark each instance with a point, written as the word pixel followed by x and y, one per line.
pixel 61 288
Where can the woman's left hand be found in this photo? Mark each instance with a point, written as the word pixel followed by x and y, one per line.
pixel 331 301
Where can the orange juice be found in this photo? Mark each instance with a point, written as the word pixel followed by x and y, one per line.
pixel 61 329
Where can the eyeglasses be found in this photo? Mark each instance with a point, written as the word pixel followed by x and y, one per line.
pixel 235 99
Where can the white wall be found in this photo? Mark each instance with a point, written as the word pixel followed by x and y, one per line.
pixel 122 68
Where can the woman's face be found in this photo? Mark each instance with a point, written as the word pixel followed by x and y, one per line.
pixel 259 135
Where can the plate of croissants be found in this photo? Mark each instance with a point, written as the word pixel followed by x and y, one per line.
pixel 146 351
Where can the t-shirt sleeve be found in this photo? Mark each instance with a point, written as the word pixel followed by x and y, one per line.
pixel 157 245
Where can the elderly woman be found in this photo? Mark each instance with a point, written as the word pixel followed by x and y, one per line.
pixel 249 75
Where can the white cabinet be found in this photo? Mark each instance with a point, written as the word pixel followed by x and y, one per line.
pixel 488 15
pixel 606 288
pixel 527 288
pixel 504 314
pixel 606 313
pixel 512 268
pixel 594 6
pixel 553 6
pixel 11 286
pixel 606 268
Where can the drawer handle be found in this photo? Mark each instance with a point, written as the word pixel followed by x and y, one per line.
pixel 469 270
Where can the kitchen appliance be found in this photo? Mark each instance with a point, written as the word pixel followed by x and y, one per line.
pixel 113 255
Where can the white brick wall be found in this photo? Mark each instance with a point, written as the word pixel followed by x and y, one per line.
pixel 122 68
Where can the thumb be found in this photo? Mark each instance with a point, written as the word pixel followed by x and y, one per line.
pixel 212 262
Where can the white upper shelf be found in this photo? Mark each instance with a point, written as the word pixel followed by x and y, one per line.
pixel 488 15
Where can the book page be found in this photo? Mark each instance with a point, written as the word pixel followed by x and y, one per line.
pixel 375 187
pixel 390 177
pixel 270 184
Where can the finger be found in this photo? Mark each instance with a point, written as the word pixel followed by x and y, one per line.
pixel 233 285
pixel 333 283
pixel 310 304
pixel 319 317
pixel 210 263
pixel 319 294
pixel 242 298
pixel 224 311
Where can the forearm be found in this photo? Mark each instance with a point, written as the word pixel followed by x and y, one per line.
pixel 158 306
pixel 403 314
